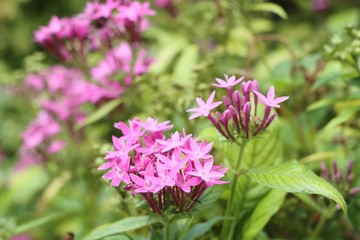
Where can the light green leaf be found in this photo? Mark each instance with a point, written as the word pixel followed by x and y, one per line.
pixel 22 187
pixel 39 222
pixel 343 117
pixel 171 47
pixel 184 68
pixel 265 209
pixel 270 7
pixel 99 113
pixel 200 229
pixel 321 103
pixel 121 226
pixel 292 176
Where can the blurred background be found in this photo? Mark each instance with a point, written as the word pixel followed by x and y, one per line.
pixel 309 50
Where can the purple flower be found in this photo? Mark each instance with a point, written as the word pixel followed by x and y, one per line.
pixel 204 108
pixel 270 99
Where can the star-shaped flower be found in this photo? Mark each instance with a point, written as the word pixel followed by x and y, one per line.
pixel 270 99
pixel 204 108
pixel 228 83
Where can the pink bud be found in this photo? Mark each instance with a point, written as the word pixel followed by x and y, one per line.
pixel 354 191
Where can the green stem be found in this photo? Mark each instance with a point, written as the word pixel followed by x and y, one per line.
pixel 166 223
pixel 325 216
pixel 230 218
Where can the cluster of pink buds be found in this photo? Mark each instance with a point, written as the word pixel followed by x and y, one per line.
pixel 240 117
pixel 99 25
pixel 337 177
pixel 172 171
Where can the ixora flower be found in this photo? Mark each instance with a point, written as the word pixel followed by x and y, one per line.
pixel 167 172
pixel 240 117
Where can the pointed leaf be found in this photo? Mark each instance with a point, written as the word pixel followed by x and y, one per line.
pixel 39 222
pixel 100 113
pixel 184 68
pixel 265 209
pixel 292 176
pixel 270 7
pixel 121 226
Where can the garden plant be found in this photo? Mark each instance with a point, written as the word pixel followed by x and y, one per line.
pixel 171 119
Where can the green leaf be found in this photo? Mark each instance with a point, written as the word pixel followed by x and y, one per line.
pixel 293 177
pixel 265 209
pixel 184 68
pixel 320 104
pixel 39 222
pixel 121 226
pixel 99 113
pixel 171 47
pixel 22 188
pixel 200 229
pixel 270 7
pixel 343 117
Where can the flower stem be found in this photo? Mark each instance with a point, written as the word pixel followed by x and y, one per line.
pixel 230 216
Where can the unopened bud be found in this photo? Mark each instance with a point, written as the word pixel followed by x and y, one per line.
pixel 354 191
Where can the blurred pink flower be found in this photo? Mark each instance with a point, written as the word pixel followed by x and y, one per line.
pixel 56 146
pixel 21 237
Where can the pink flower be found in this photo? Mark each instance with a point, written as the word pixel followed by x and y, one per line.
pixel 119 171
pixel 175 141
pixel 35 81
pixel 206 172
pixel 56 146
pixel 143 185
pixel 198 151
pixel 152 125
pixel 204 108
pixel 270 99
pixel 229 82
pixel 41 129
pixel 241 109
pixel 135 10
pixel 21 237
pixel 151 164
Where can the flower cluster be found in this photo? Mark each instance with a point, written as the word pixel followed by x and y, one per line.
pixel 172 171
pixel 121 59
pixel 240 117
pixel 99 25
pixel 110 30
pixel 67 89
pixel 39 140
pixel 337 177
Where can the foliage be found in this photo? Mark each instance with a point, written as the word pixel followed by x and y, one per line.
pixel 227 171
